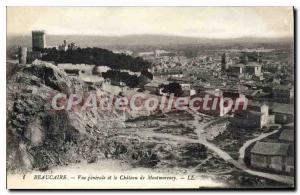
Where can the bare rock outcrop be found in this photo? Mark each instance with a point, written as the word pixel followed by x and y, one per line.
pixel 39 137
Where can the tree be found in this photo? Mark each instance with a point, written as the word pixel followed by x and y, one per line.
pixel 174 88
pixel 96 56
pixel 147 74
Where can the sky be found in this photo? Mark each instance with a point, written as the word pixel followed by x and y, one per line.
pixel 205 22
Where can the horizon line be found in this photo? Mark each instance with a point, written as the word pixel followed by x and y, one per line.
pixel 166 35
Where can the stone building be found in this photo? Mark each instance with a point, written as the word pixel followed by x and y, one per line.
pixel 283 94
pixel 255 116
pixel 287 135
pixel 284 113
pixel 273 156
pixel 253 69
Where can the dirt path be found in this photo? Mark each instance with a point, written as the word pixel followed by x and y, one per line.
pixel 221 153
pixel 172 138
pixel 249 142
pixel 224 155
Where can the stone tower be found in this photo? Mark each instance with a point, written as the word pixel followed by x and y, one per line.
pixel 22 55
pixel 224 62
pixel 38 40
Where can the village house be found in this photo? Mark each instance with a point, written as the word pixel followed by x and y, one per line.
pixel 250 69
pixel 215 104
pixel 287 135
pixel 186 88
pixel 76 69
pixel 84 72
pixel 188 92
pixel 283 94
pixel 113 89
pixel 255 116
pixel 284 113
pixel 273 156
pixel 240 99
pixel 154 87
pixel 236 69
pixel 253 68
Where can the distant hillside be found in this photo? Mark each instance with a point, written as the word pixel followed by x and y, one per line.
pixel 143 40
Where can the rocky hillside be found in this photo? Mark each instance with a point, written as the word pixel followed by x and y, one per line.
pixel 40 138
pixel 37 136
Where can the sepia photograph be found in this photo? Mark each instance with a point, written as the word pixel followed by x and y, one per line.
pixel 150 97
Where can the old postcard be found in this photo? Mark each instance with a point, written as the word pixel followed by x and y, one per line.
pixel 150 98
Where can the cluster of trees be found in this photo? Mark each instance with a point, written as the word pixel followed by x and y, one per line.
pixel 130 80
pixel 96 56
pixel 174 88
